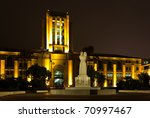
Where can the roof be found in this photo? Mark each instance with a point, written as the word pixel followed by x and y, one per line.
pixel 56 13
pixel 17 50
pixel 107 55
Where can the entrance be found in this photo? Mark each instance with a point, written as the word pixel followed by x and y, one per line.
pixel 59 77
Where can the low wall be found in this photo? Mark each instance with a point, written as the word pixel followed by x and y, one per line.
pixel 107 92
pixel 4 93
pixel 80 91
pixel 134 91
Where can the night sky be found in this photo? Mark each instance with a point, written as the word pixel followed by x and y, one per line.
pixel 111 26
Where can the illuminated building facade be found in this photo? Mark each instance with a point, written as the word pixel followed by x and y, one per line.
pixel 115 67
pixel 56 56
pixel 146 66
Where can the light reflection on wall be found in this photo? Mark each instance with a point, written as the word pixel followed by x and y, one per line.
pixel 70 71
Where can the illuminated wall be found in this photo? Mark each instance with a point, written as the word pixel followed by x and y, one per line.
pixel 146 69
pixel 70 72
pixel 105 74
pixel 59 61
pixel 16 69
pixel 114 75
pixel 133 71
pixel 121 67
pixel 95 66
pixel 2 67
pixel 123 70
pixel 28 64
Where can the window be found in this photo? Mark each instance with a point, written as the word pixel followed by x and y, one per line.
pixel 9 62
pixel 146 62
pixel 58 23
pixel 119 74
pixel 128 74
pixel 109 75
pixel 146 67
pixel 23 65
pixel 109 66
pixel 119 66
pixel 128 61
pixel 128 68
pixel 100 65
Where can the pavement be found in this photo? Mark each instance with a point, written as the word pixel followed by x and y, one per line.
pixel 45 96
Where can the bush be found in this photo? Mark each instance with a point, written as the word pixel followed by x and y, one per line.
pixel 129 84
pixel 13 84
pixel 22 84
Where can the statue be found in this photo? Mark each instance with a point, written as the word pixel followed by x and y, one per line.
pixel 82 80
pixel 83 67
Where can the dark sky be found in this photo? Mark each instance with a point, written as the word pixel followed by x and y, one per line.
pixel 111 26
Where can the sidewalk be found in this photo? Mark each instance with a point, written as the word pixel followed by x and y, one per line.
pixel 4 93
pixel 134 91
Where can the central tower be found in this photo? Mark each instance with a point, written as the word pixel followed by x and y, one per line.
pixel 55 54
pixel 57 32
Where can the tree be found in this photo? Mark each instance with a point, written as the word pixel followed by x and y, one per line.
pixel 88 50
pixel 95 74
pixel 91 73
pixel 38 75
pixel 144 79
pixel 101 79
pixel 129 83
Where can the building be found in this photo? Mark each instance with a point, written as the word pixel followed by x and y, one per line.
pixel 115 67
pixel 54 53
pixel 146 66
pixel 57 56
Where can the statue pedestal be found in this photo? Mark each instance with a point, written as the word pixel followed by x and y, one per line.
pixel 82 81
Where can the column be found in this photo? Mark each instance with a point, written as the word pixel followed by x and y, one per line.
pixel 105 73
pixel 114 75
pixel 133 71
pixel 50 33
pixel 60 32
pixel 67 35
pixel 95 66
pixel 149 71
pixel 50 29
pixel 70 72
pixel 123 71
pixel 2 72
pixel 47 63
pixel 47 30
pixel 140 68
pixel 28 64
pixel 95 79
pixel 16 69
pixel 56 31
pixel 65 32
